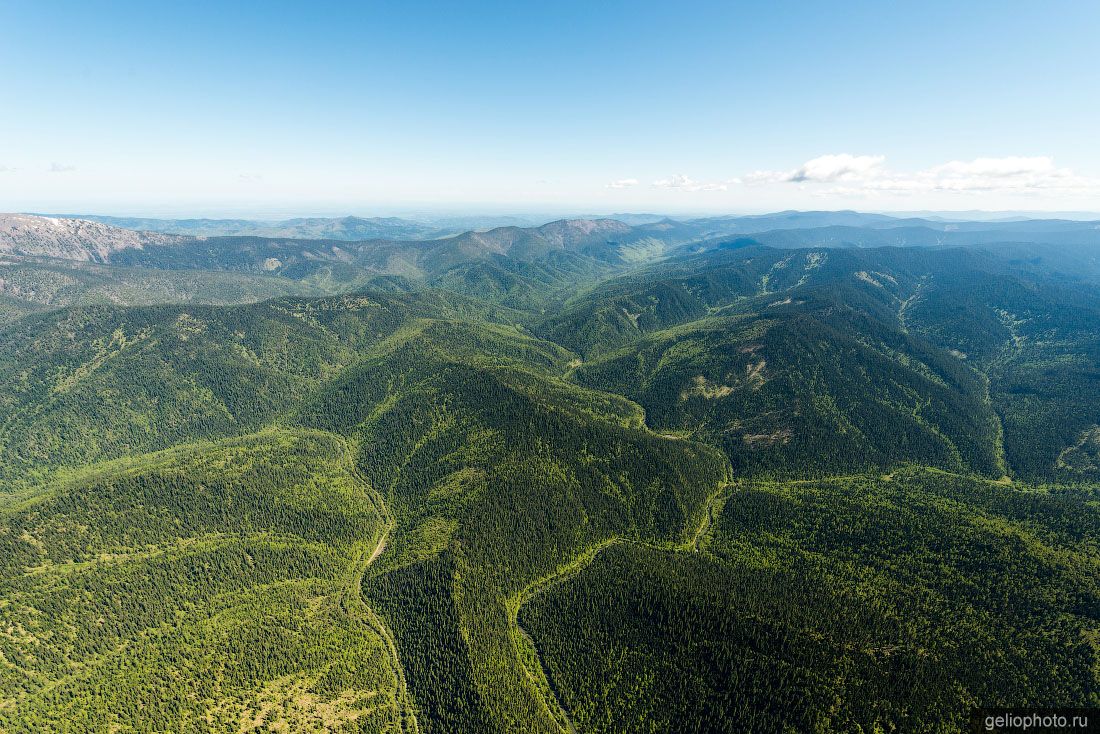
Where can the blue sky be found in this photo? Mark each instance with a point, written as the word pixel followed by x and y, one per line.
pixel 322 107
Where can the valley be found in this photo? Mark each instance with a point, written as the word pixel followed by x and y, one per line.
pixel 549 367
pixel 716 475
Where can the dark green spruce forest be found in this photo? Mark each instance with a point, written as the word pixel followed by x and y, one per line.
pixel 806 473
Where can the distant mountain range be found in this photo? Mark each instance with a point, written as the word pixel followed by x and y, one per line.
pixel 342 228
pixel 643 237
pixel 509 265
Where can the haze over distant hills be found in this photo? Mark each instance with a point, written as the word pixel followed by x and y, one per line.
pixel 510 265
pixel 333 228
pixel 342 228
pixel 435 226
pixel 980 215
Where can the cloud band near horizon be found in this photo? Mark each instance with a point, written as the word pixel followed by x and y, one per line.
pixel 848 174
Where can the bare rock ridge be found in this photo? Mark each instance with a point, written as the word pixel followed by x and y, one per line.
pixel 71 239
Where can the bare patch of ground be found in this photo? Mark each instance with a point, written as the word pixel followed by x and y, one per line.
pixel 754 374
pixel 288 705
pixel 704 387
pixel 866 278
pixel 1084 455
pixel 764 440
pixel 701 386
pixel 633 317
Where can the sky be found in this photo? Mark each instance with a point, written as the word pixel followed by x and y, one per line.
pixel 291 108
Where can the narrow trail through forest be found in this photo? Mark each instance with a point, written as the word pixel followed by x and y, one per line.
pixel 903 306
pixel 352 599
pixel 530 659
pixel 711 510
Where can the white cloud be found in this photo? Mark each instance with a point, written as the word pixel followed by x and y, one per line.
pixel 993 174
pixel 852 176
pixel 843 167
pixel 685 183
pixel 824 169
pixel 864 175
pixel 61 168
pixel 250 177
pixel 1000 167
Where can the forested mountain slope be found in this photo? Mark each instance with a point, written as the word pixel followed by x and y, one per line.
pixel 993 364
pixel 29 285
pixel 583 484
pixel 98 383
pixel 197 589
pixel 854 604
pixel 454 422
pixel 528 267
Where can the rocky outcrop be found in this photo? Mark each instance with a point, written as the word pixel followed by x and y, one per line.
pixel 71 239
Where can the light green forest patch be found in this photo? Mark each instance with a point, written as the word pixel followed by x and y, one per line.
pixel 196 589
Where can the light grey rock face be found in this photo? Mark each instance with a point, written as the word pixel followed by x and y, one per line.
pixel 71 239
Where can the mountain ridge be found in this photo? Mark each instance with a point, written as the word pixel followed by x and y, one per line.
pixel 71 239
pixel 550 477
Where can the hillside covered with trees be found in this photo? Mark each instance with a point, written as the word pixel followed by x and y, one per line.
pixel 708 476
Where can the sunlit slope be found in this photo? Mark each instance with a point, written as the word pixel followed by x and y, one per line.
pixel 1039 342
pixel 817 375
pixel 532 285
pixel 801 390
pixel 41 283
pixel 498 473
pixel 97 383
pixel 866 604
pixel 415 510
pixel 196 589
pixel 493 468
pixel 733 278
pixel 893 344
